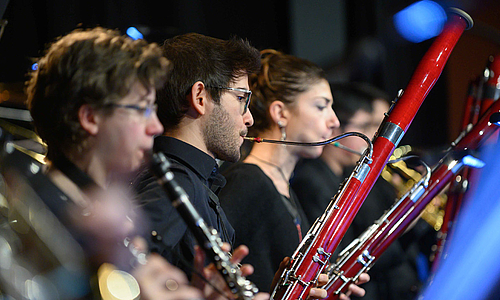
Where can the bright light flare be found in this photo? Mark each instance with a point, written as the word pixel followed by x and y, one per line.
pixel 420 21
pixel 134 33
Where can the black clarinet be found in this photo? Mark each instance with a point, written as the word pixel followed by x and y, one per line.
pixel 207 237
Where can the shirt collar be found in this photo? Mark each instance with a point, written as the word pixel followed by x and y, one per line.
pixel 216 180
pixel 194 158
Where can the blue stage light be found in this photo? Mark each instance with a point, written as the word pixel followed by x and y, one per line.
pixel 420 21
pixel 34 66
pixel 134 34
pixel 471 161
pixel 495 118
pixel 474 241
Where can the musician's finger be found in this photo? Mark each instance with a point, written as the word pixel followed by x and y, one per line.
pixel 199 259
pixel 363 278
pixel 164 270
pixel 239 253
pixel 160 280
pixel 322 279
pixel 140 244
pixel 344 297
pixel 246 270
pixel 317 293
pixel 262 296
pixel 226 247
pixel 284 263
pixel 356 291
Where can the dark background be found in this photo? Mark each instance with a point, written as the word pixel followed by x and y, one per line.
pixel 352 40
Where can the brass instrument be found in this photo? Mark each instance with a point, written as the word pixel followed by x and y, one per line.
pixel 18 131
pixel 40 257
pixel 403 178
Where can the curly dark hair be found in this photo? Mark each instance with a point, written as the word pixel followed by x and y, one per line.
pixel 195 57
pixel 281 77
pixel 92 66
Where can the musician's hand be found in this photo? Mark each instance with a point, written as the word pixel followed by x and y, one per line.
pixel 354 289
pixel 214 277
pixel 246 269
pixel 318 293
pixel 283 264
pixel 209 273
pixel 109 209
pixel 160 280
pixel 237 256
pixel 314 293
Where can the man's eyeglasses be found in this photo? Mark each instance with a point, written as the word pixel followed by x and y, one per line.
pixel 146 111
pixel 243 98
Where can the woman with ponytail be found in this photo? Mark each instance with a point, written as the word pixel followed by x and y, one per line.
pixel 291 101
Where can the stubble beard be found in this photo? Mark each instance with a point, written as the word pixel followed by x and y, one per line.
pixel 220 136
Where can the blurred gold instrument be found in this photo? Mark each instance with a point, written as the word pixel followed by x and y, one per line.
pixel 403 178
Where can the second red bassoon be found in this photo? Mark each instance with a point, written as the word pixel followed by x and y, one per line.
pixel 312 256
pixel 362 253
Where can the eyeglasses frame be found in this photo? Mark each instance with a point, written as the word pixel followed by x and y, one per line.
pixel 248 92
pixel 146 111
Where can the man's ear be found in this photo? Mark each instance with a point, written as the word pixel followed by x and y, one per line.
pixel 88 119
pixel 198 98
pixel 279 112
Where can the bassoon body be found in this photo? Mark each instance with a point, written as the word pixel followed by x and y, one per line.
pixel 312 255
pixel 486 92
pixel 208 238
pixel 362 253
pixel 459 185
pixel 491 91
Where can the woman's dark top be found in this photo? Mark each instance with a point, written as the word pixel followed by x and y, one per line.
pixel 394 275
pixel 315 184
pixel 261 220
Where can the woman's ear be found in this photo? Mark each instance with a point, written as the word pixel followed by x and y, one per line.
pixel 89 120
pixel 198 98
pixel 279 112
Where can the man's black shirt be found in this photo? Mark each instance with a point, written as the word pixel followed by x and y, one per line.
pixel 198 174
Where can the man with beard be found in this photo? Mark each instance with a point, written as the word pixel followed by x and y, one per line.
pixel 204 109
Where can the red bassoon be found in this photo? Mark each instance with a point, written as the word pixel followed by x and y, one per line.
pixel 312 255
pixel 459 185
pixel 362 253
pixel 486 91
pixel 491 91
